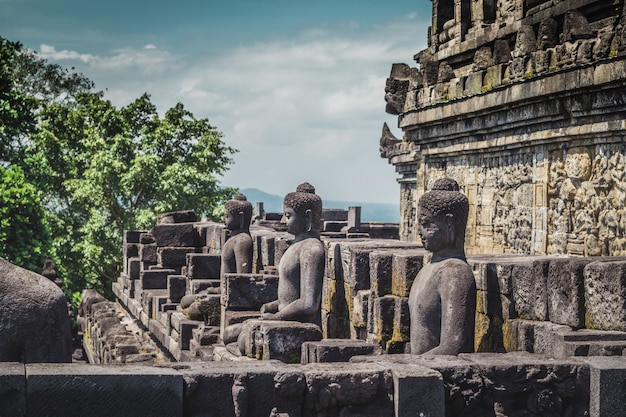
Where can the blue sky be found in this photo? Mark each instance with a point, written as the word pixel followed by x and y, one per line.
pixel 296 86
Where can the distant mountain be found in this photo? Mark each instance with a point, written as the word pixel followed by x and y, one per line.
pixel 370 212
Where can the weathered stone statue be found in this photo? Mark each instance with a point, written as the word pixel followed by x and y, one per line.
pixel 442 302
pixel 236 252
pixel 34 324
pixel 301 267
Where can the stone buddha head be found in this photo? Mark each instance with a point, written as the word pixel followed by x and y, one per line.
pixel 303 210
pixel 237 213
pixel 442 218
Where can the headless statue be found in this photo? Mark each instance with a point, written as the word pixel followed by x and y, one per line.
pixel 301 268
pixel 236 252
pixel 442 302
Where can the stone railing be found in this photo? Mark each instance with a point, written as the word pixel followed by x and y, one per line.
pixel 397 385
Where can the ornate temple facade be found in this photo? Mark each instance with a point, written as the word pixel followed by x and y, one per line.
pixel 523 103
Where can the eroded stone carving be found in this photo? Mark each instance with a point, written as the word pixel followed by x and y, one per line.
pixel 586 203
pixel 442 302
pixel 300 270
pixel 34 323
pixel 236 255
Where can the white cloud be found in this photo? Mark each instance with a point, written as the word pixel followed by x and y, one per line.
pixel 307 108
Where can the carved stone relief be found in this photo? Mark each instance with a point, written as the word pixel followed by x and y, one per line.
pixel 586 202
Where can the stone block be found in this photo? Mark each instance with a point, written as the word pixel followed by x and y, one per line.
pixel 251 388
pixel 176 234
pixel 336 389
pixel 132 236
pixel 176 287
pixel 337 350
pixel 335 215
pixel 134 268
pixel 79 390
pixel 267 251
pixel 182 216
pixel 249 291
pixel 493 276
pixel 605 291
pixel 404 268
pixel 203 266
pixel 211 236
pixel 232 317
pixel 197 285
pixel 493 77
pixel 566 300
pixel 12 389
pixel 148 253
pixel 360 308
pixel 495 304
pixel 530 289
pixel 131 250
pixel 183 328
pixel 390 319
pixel 210 305
pixel 156 304
pixel 417 392
pixel 206 335
pixel 281 340
pixel 380 272
pixel 474 83
pixel 173 257
pixel 155 278
pixel 607 386
pixel 542 385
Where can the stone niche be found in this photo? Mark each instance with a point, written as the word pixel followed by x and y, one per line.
pixel 527 112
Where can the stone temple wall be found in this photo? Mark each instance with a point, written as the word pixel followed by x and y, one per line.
pixel 524 104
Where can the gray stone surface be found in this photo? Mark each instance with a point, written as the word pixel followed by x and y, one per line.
pixel 79 390
pixel 566 299
pixel 250 388
pixel 12 389
pixel 249 291
pixel 337 350
pixel 338 389
pixel 607 386
pixel 175 234
pixel 35 325
pixel 530 292
pixel 155 278
pixel 605 291
pixel 277 339
pixel 417 392
pixel 203 266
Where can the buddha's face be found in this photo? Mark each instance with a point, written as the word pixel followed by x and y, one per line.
pixel 296 222
pixel 231 221
pixel 433 230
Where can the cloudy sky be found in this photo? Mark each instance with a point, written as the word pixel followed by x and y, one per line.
pixel 296 86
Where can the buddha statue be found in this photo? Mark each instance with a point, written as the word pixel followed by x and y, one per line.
pixel 301 267
pixel 236 252
pixel 442 301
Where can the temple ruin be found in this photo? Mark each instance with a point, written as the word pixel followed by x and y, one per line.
pixel 523 102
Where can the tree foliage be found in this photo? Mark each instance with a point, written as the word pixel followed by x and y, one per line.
pixel 102 169
pixel 24 233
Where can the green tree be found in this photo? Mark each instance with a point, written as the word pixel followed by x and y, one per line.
pixel 102 169
pixel 17 109
pixel 24 234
